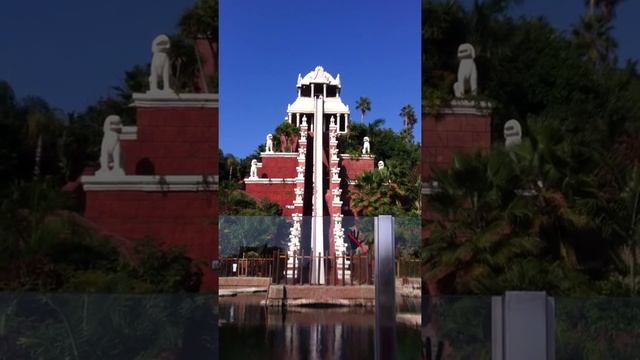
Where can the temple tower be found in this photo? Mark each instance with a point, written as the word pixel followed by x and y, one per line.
pixel 310 177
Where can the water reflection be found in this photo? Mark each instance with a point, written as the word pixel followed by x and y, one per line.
pixel 250 331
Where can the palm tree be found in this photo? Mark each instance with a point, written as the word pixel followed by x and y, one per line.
pixel 364 105
pixel 409 117
pixel 39 125
pixel 201 22
pixel 593 33
pixel 231 162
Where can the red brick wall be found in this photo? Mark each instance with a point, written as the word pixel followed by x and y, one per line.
pixel 355 167
pixel 449 134
pixel 281 193
pixel 188 219
pixel 177 141
pixel 278 167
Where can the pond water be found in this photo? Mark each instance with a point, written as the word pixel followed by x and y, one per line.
pixel 251 331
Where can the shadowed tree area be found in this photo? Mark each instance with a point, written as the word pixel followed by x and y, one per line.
pixel 560 211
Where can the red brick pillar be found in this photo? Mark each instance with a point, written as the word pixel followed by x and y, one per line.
pixel 461 127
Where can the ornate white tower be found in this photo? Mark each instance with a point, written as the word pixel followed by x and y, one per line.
pixel 318 102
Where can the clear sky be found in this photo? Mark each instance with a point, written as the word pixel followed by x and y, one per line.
pixel 373 44
pixel 71 52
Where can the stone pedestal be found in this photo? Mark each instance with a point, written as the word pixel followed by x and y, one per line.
pixel 169 189
pixel 463 126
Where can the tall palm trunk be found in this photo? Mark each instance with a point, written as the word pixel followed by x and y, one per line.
pixel 200 68
pixel 632 234
pixel 38 157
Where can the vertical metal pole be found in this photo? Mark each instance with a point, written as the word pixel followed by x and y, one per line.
pixel 385 288
pixel 523 326
pixel 317 242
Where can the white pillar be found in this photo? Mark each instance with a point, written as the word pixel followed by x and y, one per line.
pixel 297 119
pixel 312 89
pixel 324 91
pixel 317 241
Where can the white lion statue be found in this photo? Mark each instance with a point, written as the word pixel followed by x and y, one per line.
pixel 467 73
pixel 253 174
pixel 160 64
pixel 366 148
pixel 269 146
pixel 380 165
pixel 110 155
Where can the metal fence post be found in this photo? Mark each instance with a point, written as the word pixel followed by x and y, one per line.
pixel 523 326
pixel 385 288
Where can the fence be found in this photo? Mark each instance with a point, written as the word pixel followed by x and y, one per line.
pixel 338 270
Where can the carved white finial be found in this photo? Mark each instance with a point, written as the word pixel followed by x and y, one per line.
pixel 334 173
pixel 160 64
pixel 512 133
pixel 269 146
pixel 336 195
pixel 380 165
pixel 110 153
pixel 304 121
pixel 334 154
pixel 253 174
pixel 299 192
pixel 467 73
pixel 300 170
pixel 332 122
pixel 366 147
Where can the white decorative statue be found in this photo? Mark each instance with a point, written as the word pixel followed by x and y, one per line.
pixel 300 170
pixel 332 122
pixel 304 121
pixel 467 73
pixel 334 154
pixel 299 192
pixel 269 146
pixel 160 64
pixel 366 148
pixel 334 172
pixel 110 156
pixel 380 165
pixel 512 133
pixel 253 174
pixel 332 137
pixel 336 195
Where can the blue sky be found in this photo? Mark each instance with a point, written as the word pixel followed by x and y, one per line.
pixel 71 52
pixel 373 44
